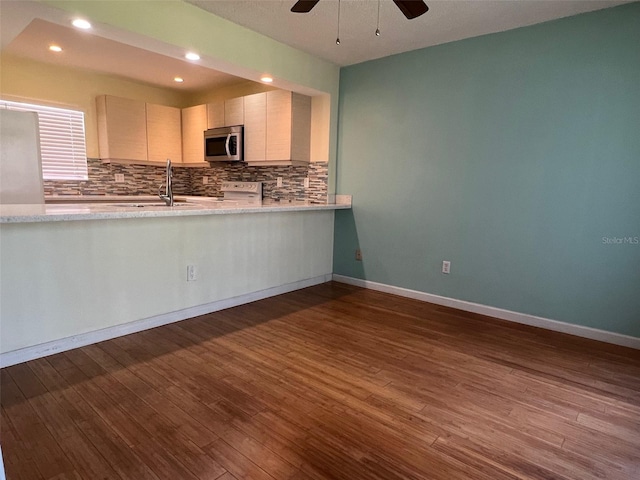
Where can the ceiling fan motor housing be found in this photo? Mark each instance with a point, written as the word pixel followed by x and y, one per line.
pixel 410 8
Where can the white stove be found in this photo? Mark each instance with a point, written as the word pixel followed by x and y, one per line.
pixel 246 193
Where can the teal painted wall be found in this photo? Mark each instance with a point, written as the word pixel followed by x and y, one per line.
pixel 512 155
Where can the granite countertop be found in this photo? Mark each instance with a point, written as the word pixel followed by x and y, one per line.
pixel 116 207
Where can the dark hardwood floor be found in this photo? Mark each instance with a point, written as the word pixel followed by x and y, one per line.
pixel 330 382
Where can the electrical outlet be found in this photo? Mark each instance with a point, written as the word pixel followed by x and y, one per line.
pixel 192 273
pixel 446 266
pixel 358 255
pixel 306 182
pixel 205 180
pixel 279 182
pixel 119 177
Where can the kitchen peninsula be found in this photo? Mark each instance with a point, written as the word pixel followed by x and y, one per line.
pixel 77 274
pixel 132 208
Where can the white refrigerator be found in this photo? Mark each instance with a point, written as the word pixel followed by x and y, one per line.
pixel 20 161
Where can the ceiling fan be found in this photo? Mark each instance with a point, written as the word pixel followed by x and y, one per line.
pixel 410 8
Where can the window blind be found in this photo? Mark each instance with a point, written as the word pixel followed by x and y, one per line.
pixel 62 140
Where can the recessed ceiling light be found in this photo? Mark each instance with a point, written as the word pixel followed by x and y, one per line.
pixel 266 79
pixel 55 48
pixel 178 79
pixel 81 23
pixel 192 56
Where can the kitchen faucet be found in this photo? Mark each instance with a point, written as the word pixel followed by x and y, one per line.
pixel 168 192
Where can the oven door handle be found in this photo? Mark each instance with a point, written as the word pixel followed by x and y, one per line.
pixel 226 145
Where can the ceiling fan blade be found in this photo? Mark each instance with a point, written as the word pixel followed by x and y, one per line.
pixel 304 6
pixel 411 8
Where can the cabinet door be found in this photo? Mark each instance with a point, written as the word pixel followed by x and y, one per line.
pixel 164 133
pixel 234 112
pixel 194 123
pixel 278 125
pixel 255 118
pixel 300 127
pixel 122 128
pixel 215 115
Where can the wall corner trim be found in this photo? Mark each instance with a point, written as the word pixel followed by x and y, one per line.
pixel 548 324
pixel 56 346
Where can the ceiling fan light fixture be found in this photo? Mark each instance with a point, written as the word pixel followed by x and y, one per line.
pixel 409 8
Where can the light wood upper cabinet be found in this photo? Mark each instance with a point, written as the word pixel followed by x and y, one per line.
pixel 278 125
pixel 225 114
pixel 215 115
pixel 255 123
pixel 122 128
pixel 277 129
pixel 234 112
pixel 194 123
pixel 164 133
pixel 286 130
pixel 300 127
pixel 132 131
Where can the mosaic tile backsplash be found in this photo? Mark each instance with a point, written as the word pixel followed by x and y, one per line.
pixel 145 180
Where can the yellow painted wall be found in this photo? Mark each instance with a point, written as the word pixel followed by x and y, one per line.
pixel 23 79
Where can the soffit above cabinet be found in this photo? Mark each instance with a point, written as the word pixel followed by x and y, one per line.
pixel 91 52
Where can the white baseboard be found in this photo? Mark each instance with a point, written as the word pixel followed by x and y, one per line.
pixel 578 330
pixel 44 349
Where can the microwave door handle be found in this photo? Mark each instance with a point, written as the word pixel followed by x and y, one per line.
pixel 226 145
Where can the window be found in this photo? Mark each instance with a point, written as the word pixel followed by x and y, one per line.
pixel 62 146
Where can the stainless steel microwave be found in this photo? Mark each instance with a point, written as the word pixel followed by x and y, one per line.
pixel 224 144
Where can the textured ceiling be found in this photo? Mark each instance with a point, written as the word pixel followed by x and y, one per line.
pixel 446 21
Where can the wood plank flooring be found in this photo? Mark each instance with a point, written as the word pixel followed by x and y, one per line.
pixel 330 382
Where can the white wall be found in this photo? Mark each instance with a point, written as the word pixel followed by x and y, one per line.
pixel 60 279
